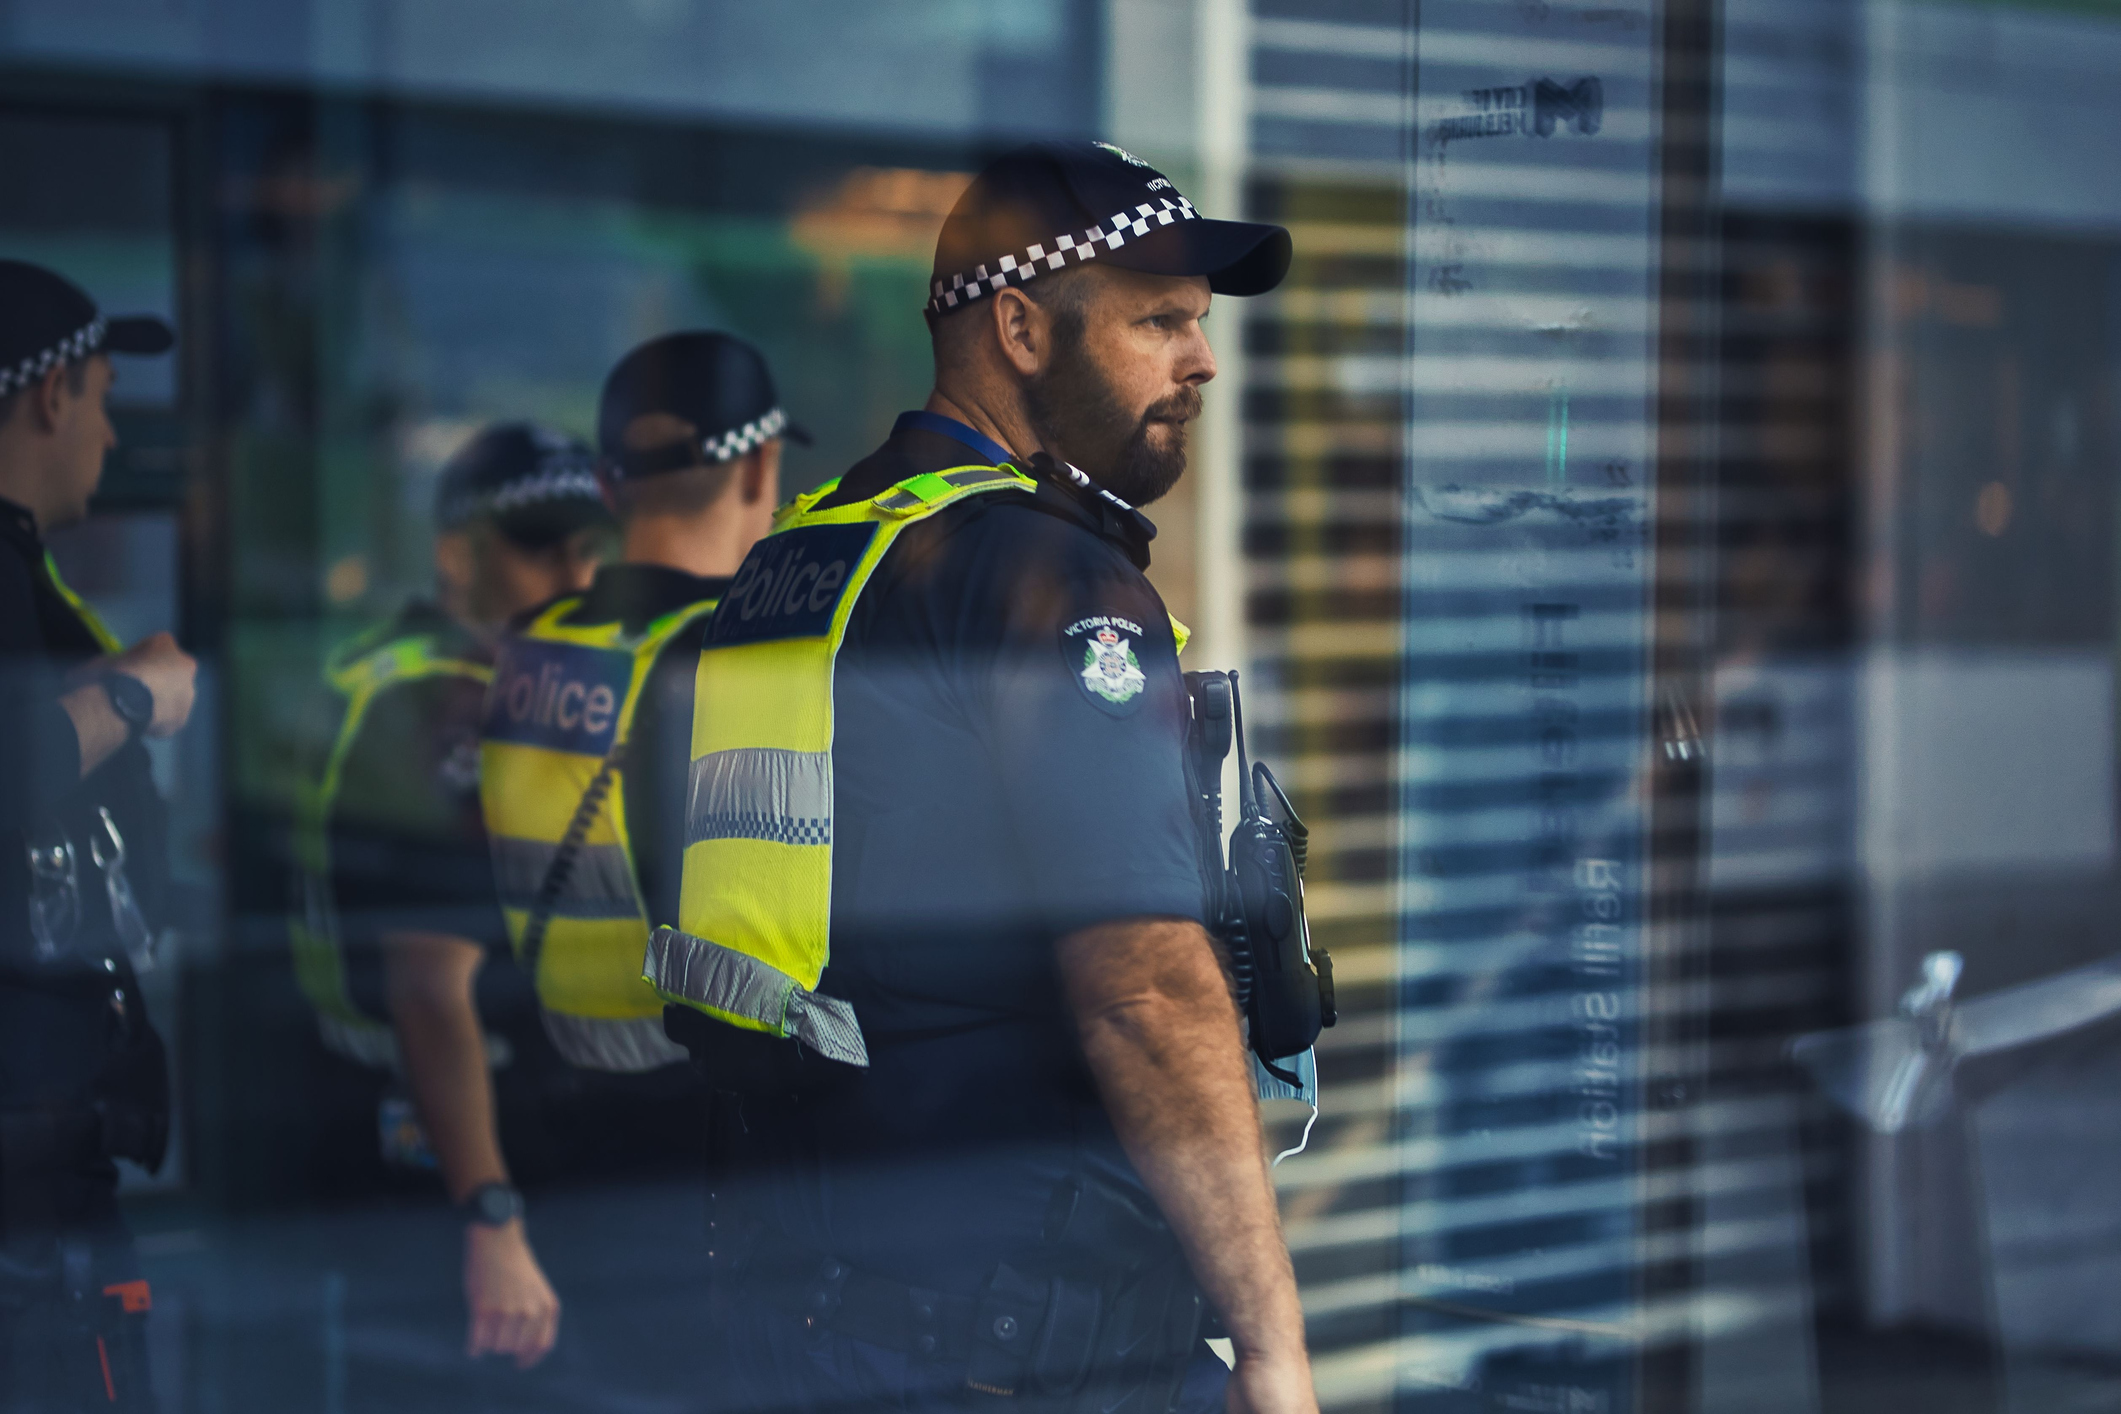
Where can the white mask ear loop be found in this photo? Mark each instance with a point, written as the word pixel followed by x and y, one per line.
pixel 1267 1087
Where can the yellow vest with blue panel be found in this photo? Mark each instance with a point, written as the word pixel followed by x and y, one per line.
pixel 563 698
pixel 755 910
pixel 358 672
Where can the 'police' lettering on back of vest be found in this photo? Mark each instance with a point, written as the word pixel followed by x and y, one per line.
pixel 790 584
pixel 560 696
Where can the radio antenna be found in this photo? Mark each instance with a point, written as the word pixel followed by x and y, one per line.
pixel 1247 803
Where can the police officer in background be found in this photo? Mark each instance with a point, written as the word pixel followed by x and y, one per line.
pixel 398 900
pixel 941 906
pixel 83 872
pixel 588 736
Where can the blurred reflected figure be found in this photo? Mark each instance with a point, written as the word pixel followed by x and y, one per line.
pixel 942 912
pixel 399 906
pixel 83 873
pixel 587 738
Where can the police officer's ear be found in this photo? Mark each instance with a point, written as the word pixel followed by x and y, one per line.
pixel 456 562
pixel 44 402
pixel 760 478
pixel 1024 330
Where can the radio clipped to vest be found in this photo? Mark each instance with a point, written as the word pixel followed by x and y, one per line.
pixel 1256 896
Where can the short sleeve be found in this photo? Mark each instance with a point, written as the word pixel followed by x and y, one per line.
pixel 40 753
pixel 1069 668
pixel 658 764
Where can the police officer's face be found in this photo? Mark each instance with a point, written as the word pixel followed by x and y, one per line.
pixel 83 436
pixel 488 579
pixel 1123 378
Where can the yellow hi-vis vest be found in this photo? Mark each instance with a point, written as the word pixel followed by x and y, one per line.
pixel 359 671
pixel 755 906
pixel 563 697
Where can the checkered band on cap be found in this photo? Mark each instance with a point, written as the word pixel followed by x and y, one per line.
pixel 79 344
pixel 1111 234
pixel 573 478
pixel 734 443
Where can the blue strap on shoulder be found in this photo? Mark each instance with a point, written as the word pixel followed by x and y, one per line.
pixel 950 427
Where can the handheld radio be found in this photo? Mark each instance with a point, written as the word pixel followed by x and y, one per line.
pixel 1256 898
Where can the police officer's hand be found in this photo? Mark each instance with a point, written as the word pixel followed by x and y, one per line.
pixel 513 1308
pixel 170 674
pixel 1271 1384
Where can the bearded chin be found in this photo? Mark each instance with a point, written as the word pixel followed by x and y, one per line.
pixel 1143 472
pixel 1074 409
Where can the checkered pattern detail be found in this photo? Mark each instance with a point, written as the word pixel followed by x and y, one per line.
pixel 757 825
pixel 79 344
pixel 734 443
pixel 1111 234
pixel 567 477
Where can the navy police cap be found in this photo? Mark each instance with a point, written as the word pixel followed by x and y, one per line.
pixel 717 382
pixel 534 483
pixel 46 321
pixel 1054 205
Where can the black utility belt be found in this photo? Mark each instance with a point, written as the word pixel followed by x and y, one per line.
pixel 1100 1317
pixel 828 1294
pixel 1063 1338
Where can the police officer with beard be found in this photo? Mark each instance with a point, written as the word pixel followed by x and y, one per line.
pixel 83 870
pixel 942 916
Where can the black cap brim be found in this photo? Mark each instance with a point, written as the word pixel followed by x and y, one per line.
pixel 138 334
pixel 1238 257
pixel 549 522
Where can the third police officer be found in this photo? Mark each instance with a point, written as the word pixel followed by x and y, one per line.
pixel 398 913
pixel 942 914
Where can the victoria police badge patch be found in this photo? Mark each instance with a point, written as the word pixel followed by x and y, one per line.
pixel 1100 650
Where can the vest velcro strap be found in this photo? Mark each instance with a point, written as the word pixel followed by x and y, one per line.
pixel 622 1045
pixel 761 793
pixel 723 981
pixel 599 886
pixel 915 492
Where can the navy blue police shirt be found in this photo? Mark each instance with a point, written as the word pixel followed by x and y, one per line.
pixel 1008 718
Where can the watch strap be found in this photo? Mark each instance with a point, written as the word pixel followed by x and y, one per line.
pixel 131 699
pixel 492 1204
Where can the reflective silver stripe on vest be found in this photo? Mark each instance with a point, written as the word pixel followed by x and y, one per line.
pixel 681 965
pixel 599 886
pixel 623 1045
pixel 761 793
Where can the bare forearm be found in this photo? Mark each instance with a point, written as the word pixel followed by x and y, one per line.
pixel 1170 1066
pixel 430 977
pixel 99 729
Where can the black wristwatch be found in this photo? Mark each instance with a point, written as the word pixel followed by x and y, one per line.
pixel 492 1204
pixel 131 699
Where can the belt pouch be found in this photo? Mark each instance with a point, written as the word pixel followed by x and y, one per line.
pixel 1147 1341
pixel 1005 1327
pixel 1067 1342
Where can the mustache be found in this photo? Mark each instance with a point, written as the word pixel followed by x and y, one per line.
pixel 1181 407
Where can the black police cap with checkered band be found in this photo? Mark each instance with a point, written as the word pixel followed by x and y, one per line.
pixel 534 483
pixel 1055 205
pixel 47 322
pixel 715 381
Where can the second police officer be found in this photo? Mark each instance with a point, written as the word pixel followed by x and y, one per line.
pixel 941 904
pixel 588 734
